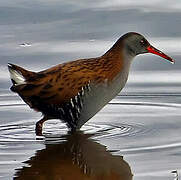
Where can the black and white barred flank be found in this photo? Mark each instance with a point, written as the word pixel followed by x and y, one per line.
pixel 70 111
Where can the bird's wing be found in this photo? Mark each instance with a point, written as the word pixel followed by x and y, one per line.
pixel 60 83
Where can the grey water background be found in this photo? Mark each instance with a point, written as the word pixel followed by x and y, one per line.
pixel 142 124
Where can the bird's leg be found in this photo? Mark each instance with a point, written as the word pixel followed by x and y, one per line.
pixel 39 126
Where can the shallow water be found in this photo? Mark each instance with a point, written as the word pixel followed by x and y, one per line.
pixel 137 135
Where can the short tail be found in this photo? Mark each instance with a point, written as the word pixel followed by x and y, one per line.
pixel 18 75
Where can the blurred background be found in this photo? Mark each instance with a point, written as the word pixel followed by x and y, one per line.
pixel 142 124
pixel 39 34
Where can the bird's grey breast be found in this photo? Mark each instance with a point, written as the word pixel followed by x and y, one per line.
pixel 99 95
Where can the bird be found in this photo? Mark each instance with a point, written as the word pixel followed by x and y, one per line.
pixel 75 91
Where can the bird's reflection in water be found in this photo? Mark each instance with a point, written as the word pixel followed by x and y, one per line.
pixel 76 157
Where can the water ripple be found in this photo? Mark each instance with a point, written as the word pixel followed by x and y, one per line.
pixel 23 129
pixel 151 148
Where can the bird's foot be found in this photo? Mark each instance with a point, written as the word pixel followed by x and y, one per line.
pixel 38 129
pixel 39 126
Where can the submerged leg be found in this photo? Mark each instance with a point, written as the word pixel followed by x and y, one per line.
pixel 39 126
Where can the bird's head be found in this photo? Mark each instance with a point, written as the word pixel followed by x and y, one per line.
pixel 135 44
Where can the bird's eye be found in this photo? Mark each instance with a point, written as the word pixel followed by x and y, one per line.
pixel 143 42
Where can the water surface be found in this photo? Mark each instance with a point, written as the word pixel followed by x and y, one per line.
pixel 137 135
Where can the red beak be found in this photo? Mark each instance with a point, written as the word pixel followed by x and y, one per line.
pixel 153 50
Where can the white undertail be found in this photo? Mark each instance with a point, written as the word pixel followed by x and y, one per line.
pixel 16 76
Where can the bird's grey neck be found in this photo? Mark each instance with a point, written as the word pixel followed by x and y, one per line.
pixel 122 77
pixel 130 51
pixel 127 60
pixel 128 56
